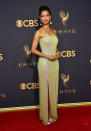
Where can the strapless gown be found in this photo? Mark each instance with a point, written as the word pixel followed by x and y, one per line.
pixel 48 72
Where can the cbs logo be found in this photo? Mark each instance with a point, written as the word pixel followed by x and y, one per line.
pixel 24 86
pixel 68 53
pixel 26 23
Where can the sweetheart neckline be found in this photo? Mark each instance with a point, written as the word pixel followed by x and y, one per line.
pixel 47 36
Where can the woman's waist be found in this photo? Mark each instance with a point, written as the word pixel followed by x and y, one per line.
pixel 50 53
pixel 43 59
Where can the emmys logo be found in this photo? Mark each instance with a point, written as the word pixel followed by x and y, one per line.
pixel 24 86
pixel 1 57
pixel 26 23
pixel 32 64
pixel 64 17
pixel 65 79
pixel 28 62
pixel 26 49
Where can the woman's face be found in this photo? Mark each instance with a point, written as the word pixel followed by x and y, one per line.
pixel 45 17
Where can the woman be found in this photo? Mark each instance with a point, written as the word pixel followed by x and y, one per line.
pixel 48 66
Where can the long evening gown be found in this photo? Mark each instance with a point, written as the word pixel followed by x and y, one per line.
pixel 48 72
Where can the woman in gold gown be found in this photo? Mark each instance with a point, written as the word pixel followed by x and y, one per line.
pixel 48 67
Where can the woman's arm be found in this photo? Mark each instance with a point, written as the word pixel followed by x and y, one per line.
pixel 35 44
pixel 57 50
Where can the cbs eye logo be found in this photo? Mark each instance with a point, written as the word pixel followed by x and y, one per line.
pixel 26 23
pixel 1 56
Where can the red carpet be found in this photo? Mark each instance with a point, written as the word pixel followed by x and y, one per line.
pixel 69 119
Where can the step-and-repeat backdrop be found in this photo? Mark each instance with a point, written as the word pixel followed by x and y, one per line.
pixel 19 85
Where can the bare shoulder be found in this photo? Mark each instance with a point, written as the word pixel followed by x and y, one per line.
pixel 37 34
pixel 55 32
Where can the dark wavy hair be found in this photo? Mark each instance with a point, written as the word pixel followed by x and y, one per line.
pixel 44 7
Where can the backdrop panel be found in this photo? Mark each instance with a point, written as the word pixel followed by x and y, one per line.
pixel 19 84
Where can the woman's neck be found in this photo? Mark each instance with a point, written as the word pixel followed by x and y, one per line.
pixel 46 27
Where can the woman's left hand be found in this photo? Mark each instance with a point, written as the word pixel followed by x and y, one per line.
pixel 58 54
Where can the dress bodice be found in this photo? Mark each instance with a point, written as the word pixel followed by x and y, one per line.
pixel 48 44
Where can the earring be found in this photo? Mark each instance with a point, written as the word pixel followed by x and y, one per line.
pixel 40 24
pixel 50 22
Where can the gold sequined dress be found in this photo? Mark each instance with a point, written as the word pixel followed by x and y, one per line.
pixel 48 72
